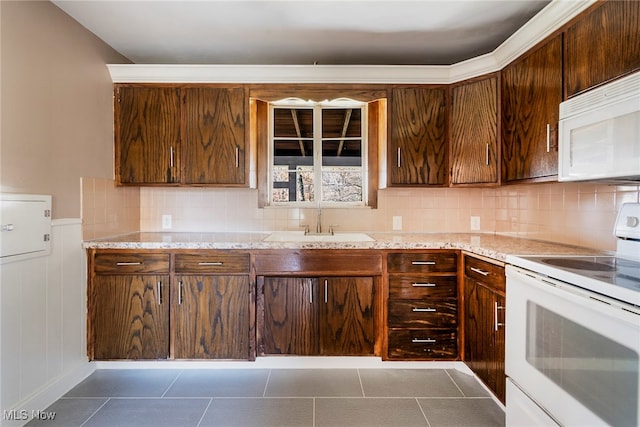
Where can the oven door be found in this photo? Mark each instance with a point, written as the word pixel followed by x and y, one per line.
pixel 574 355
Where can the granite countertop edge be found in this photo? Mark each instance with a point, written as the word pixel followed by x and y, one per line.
pixel 490 245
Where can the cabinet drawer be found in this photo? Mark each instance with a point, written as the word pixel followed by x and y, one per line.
pixel 212 263
pixel 422 262
pixel 114 263
pixel 485 272
pixel 423 344
pixel 421 314
pixel 412 287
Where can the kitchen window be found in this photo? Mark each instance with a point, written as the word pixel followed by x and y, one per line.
pixel 318 153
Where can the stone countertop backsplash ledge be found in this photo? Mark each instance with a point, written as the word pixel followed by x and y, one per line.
pixel 489 245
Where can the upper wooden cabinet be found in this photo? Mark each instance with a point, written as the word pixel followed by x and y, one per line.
pixel 474 131
pixel 602 44
pixel 213 145
pixel 147 134
pixel 531 93
pixel 180 135
pixel 418 143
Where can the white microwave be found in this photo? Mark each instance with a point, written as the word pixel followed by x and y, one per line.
pixel 599 133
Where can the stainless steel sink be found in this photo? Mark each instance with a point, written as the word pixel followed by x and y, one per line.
pixel 300 236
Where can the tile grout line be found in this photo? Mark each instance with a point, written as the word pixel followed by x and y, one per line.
pixel 205 412
pixel 266 384
pixel 313 414
pixel 172 383
pixel 361 386
pixel 422 410
pixel 95 412
pixel 455 383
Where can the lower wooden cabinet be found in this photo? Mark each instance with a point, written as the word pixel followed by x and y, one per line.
pixel 318 316
pixel 484 295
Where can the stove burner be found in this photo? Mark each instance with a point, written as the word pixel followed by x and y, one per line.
pixel 578 264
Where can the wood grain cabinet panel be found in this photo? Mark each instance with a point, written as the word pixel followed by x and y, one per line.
pixel 474 132
pixel 601 45
pixel 484 325
pixel 211 317
pixel 418 143
pixel 131 317
pixel 147 135
pixel 531 93
pixel 213 135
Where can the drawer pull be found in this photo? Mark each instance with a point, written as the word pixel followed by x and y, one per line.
pixel 423 285
pixel 423 310
pixel 121 264
pixel 423 340
pixel 477 270
pixel 218 263
pixel 423 263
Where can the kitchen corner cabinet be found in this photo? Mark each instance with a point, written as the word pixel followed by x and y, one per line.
pixel 601 45
pixel 422 305
pixel 484 325
pixel 474 131
pixel 418 136
pixel 326 316
pixel 531 93
pixel 180 135
pixel 129 307
pixel 147 135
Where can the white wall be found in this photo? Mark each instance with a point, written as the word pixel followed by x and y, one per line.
pixel 43 324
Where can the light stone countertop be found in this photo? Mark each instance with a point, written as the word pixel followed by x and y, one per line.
pixel 493 246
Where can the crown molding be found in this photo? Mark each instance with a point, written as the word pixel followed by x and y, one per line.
pixel 548 20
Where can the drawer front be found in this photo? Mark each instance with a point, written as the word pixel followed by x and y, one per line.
pixel 423 344
pixel 485 272
pixel 423 314
pixel 114 263
pixel 221 263
pixel 418 287
pixel 422 262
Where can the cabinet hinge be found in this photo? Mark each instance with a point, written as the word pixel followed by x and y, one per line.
pixel 47 213
pixel 47 237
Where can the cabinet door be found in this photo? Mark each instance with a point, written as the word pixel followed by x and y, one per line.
pixel 213 142
pixel 147 135
pixel 211 317
pixel 418 146
pixel 531 94
pixel 474 132
pixel 131 317
pixel 290 316
pixel 346 319
pixel 602 45
pixel 484 335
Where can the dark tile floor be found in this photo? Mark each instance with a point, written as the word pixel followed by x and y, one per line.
pixel 276 397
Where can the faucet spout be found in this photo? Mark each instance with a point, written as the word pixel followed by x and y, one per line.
pixel 319 221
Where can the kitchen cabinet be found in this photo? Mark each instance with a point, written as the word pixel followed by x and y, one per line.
pixel 418 136
pixel 531 93
pixel 213 148
pixel 422 305
pixel 179 305
pixel 474 131
pixel 601 45
pixel 484 324
pixel 180 135
pixel 129 307
pixel 211 311
pixel 147 135
pixel 318 316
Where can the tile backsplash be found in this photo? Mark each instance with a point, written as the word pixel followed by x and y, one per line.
pixel 576 213
pixel 108 210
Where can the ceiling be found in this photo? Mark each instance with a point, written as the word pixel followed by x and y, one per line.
pixel 302 32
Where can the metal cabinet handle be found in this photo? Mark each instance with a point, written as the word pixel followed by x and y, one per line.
pixel 399 162
pixel 423 285
pixel 477 270
pixel 171 156
pixel 423 310
pixel 121 264
pixel 159 286
pixel 7 227
pixel 423 263
pixel 423 340
pixel 326 290
pixel 237 156
pixel 180 292
pixel 496 307
pixel 548 137
pixel 211 263
pixel 487 154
